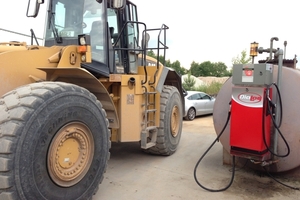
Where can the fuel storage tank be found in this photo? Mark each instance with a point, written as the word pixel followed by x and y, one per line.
pixel 290 126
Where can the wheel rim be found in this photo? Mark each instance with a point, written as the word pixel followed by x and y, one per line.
pixel 70 154
pixel 175 120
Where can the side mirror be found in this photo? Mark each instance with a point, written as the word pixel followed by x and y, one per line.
pixel 33 7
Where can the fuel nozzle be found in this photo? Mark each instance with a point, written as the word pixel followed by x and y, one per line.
pixel 270 104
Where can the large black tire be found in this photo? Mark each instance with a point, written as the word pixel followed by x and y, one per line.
pixel 39 123
pixel 169 132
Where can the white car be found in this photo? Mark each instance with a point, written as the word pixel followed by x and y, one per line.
pixel 198 103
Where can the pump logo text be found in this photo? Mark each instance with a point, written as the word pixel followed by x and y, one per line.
pixel 249 97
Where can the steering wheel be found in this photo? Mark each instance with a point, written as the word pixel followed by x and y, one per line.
pixel 78 24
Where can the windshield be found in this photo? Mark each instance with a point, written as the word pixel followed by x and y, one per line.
pixel 69 18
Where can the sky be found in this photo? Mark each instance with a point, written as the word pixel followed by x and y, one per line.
pixel 199 31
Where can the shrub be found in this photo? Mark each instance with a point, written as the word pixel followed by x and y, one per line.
pixel 188 83
pixel 211 89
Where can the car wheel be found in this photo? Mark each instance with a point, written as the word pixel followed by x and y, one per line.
pixel 191 114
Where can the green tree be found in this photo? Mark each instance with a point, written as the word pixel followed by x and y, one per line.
pixel 168 63
pixel 189 82
pixel 160 58
pixel 195 69
pixel 241 59
pixel 208 68
pixel 219 70
pixel 177 67
pixel 151 54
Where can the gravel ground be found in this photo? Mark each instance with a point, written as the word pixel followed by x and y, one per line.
pixel 134 175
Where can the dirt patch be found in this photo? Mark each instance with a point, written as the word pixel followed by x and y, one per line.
pixel 201 124
pixel 250 184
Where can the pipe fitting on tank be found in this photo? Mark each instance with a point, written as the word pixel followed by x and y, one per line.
pixel 265 162
pixel 262 50
pixel 269 50
pixel 271 46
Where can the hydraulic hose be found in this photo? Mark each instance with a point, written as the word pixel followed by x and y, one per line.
pixel 277 126
pixel 233 161
pixel 270 103
pixel 291 187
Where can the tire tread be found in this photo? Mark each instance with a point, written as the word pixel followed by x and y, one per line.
pixel 15 107
pixel 161 147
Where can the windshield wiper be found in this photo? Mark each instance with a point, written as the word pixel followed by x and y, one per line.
pixel 58 39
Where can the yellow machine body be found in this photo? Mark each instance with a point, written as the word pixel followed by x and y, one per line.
pixel 122 104
pixel 91 83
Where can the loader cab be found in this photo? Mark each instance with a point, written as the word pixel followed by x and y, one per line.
pixel 107 23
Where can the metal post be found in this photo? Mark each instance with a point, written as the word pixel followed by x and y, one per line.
pixel 285 43
pixel 279 53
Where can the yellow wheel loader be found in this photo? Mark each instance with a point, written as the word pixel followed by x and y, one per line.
pixel 91 83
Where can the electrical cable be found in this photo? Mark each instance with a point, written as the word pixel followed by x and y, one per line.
pixel 233 161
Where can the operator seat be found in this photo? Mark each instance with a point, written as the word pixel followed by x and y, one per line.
pixel 96 33
pixel 111 31
pixel 98 67
pixel 97 43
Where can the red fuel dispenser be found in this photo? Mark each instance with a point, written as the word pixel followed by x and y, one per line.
pixel 250 120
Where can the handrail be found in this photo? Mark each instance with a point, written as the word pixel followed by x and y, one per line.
pixel 143 48
pixel 163 27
